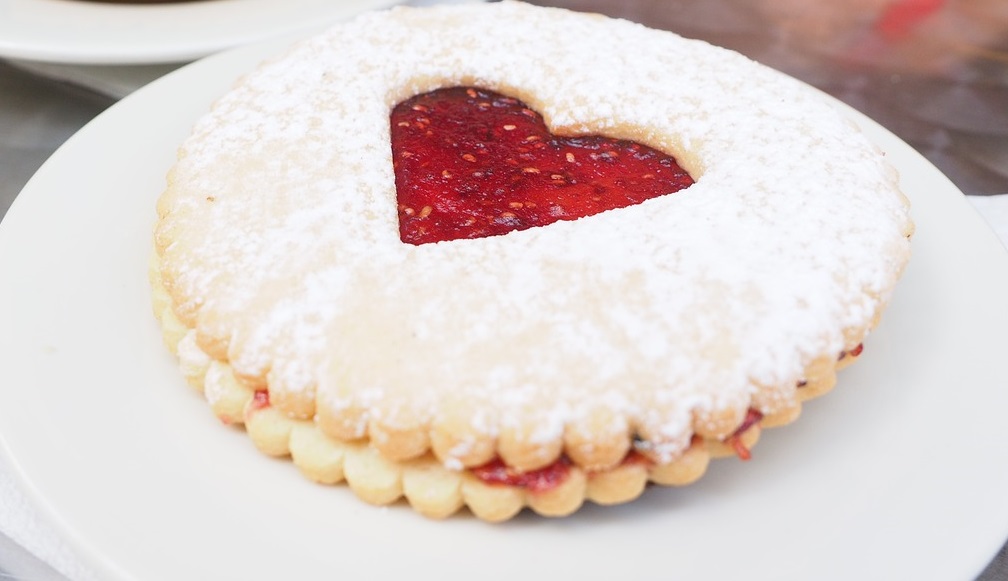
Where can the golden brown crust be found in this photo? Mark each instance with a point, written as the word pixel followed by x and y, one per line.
pixel 603 476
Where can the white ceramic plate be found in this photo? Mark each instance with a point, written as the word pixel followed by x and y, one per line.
pixel 897 474
pixel 91 32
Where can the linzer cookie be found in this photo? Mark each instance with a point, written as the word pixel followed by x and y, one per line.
pixel 498 256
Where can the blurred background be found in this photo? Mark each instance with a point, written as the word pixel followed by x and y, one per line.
pixel 933 72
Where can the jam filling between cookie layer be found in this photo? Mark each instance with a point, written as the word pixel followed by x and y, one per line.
pixel 752 418
pixel 260 400
pixel 540 480
pixel 856 351
pixel 471 163
pixel 549 477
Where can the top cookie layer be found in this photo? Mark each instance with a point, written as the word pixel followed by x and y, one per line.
pixel 279 240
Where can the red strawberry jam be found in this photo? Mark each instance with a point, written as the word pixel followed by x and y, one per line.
pixel 553 475
pixel 541 480
pixel 260 400
pixel 752 418
pixel 471 163
pixel 856 351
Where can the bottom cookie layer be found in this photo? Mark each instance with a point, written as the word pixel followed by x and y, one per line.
pixel 425 483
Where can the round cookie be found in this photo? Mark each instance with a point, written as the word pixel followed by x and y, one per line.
pixel 608 351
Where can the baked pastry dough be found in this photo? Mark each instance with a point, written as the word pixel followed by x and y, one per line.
pixel 544 366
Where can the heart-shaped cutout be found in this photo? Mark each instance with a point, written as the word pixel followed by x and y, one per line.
pixel 471 163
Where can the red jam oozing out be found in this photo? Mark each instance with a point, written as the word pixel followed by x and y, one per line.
pixel 471 163
pixel 735 440
pixel 843 355
pixel 551 476
pixel 260 400
pixel 852 353
pixel 541 480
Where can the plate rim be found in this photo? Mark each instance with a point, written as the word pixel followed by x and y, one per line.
pixel 101 42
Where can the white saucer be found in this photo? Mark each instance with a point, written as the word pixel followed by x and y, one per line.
pixel 91 32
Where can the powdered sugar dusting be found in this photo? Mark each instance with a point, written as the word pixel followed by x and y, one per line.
pixel 192 360
pixel 281 239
